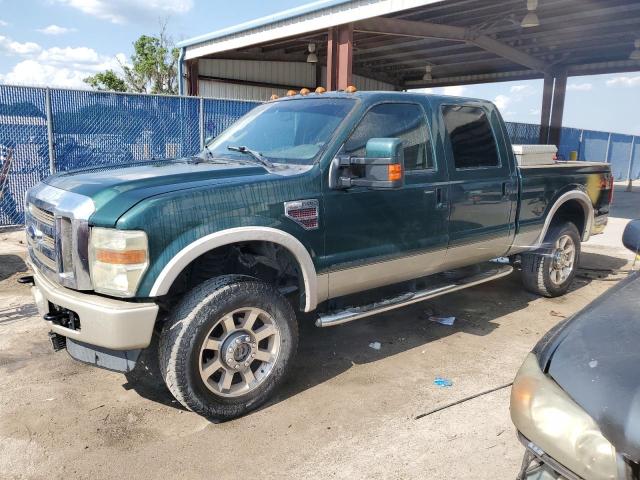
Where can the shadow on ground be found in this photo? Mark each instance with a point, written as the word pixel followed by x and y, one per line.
pixel 11 264
pixel 325 353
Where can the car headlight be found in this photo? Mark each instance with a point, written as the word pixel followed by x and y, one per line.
pixel 547 416
pixel 117 260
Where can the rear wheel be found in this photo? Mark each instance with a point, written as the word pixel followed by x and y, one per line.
pixel 550 270
pixel 227 346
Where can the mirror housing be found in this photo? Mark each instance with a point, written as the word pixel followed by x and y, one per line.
pixel 631 236
pixel 382 167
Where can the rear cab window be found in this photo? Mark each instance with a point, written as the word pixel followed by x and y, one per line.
pixel 473 143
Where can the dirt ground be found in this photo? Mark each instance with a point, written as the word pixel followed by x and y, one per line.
pixel 348 411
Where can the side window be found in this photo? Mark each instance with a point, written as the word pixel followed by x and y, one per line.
pixel 395 120
pixel 472 140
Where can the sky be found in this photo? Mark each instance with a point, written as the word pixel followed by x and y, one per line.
pixel 61 42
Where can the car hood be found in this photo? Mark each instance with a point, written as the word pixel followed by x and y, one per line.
pixel 116 188
pixel 595 358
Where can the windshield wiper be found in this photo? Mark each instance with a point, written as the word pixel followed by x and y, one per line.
pixel 256 155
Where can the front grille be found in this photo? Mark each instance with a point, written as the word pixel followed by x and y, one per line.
pixel 57 228
pixel 41 236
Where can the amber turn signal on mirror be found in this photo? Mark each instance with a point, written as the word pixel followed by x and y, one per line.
pixel 394 172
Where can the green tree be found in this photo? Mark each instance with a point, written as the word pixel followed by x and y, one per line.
pixel 153 68
pixel 107 80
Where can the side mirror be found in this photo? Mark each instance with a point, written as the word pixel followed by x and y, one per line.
pixel 631 236
pixel 381 167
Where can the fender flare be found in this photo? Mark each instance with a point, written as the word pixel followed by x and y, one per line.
pixel 587 207
pixel 192 251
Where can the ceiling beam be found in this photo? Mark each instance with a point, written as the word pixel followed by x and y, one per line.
pixel 406 28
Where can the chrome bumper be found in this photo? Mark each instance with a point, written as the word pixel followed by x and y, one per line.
pixel 104 322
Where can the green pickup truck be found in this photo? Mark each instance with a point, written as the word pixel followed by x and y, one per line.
pixel 341 204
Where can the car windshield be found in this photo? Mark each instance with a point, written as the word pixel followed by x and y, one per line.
pixel 293 131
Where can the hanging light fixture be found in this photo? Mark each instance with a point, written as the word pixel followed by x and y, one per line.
pixel 427 77
pixel 312 57
pixel 635 55
pixel 531 18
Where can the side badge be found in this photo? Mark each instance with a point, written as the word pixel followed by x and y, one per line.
pixel 304 212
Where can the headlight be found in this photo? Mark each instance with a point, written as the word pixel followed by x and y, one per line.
pixel 117 260
pixel 546 415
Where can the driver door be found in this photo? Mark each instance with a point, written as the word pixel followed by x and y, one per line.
pixel 380 237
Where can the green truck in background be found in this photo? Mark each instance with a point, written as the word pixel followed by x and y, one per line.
pixel 302 205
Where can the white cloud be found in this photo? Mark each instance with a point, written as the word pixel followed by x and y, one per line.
pixel 122 11
pixel 534 111
pixel 520 89
pixel 580 87
pixel 55 30
pixel 62 67
pixel 502 102
pixel 453 90
pixel 12 47
pixel 624 81
pixel 3 23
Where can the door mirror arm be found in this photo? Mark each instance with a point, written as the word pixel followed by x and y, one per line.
pixel 382 167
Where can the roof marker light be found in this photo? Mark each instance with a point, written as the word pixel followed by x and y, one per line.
pixel 351 89
pixel 291 93
pixel 320 90
pixel 274 97
pixel 305 91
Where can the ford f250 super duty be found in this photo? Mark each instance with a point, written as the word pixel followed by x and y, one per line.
pixel 342 204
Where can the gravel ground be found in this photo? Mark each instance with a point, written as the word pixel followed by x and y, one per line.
pixel 348 411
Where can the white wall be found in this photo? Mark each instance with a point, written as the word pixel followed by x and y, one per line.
pixel 296 74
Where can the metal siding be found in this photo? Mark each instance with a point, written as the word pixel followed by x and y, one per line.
pixel 281 73
pixel 232 91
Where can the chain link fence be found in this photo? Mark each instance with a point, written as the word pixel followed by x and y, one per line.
pixel 43 131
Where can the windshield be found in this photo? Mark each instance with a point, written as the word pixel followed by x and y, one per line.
pixel 293 131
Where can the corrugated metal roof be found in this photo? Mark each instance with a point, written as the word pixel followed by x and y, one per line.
pixel 264 21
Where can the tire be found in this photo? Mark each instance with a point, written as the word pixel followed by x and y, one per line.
pixel 207 343
pixel 540 268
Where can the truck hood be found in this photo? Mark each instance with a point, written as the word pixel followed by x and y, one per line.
pixel 116 188
pixel 594 357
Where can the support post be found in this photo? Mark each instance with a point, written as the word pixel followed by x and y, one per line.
pixel 630 170
pixel 555 126
pixel 201 123
pixel 49 115
pixel 608 154
pixel 340 57
pixel 545 111
pixel 192 77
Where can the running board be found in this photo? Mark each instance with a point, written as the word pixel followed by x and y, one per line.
pixel 488 271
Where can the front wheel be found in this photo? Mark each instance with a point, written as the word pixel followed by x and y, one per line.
pixel 227 346
pixel 550 270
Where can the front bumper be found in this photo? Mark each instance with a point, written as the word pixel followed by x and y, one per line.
pixel 104 322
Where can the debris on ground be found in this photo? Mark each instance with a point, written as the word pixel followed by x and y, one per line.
pixel 442 382
pixel 553 313
pixel 375 345
pixel 442 320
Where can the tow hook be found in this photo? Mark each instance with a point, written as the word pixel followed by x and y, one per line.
pixel 28 280
pixel 58 342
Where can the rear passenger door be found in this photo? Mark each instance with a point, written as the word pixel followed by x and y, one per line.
pixel 482 185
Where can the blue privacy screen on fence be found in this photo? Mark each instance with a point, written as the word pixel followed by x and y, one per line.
pixel 43 131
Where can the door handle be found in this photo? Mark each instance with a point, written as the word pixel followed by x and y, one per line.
pixel 441 202
pixel 506 188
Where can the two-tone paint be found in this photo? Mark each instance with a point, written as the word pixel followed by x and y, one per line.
pixel 441 218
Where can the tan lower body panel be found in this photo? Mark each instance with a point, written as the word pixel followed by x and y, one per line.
pixel 104 322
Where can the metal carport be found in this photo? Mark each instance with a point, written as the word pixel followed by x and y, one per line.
pixel 407 44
